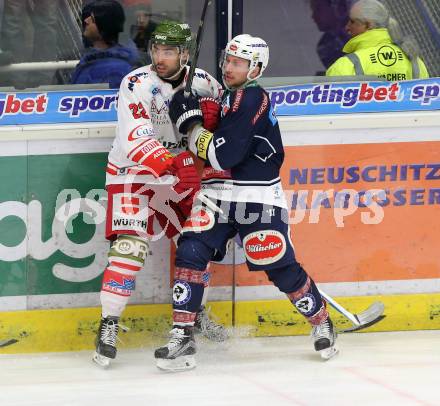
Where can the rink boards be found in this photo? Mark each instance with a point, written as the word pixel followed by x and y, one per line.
pixel 73 329
pixel 364 192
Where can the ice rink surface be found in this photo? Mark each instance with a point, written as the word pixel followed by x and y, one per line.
pixel 399 368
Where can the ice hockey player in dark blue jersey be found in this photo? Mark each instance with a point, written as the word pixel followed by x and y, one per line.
pixel 243 154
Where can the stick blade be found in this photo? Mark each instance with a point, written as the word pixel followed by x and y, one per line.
pixel 372 313
pixel 368 317
pixel 362 326
pixel 4 343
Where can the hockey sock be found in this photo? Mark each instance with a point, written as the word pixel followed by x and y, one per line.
pixel 206 290
pixel 126 259
pixel 309 303
pixel 189 285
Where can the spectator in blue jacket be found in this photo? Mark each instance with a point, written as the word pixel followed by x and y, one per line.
pixel 105 61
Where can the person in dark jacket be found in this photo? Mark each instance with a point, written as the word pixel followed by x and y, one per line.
pixel 106 61
pixel 330 17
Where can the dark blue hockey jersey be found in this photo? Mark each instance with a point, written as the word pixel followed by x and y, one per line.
pixel 246 151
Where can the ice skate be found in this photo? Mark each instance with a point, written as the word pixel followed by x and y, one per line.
pixel 106 341
pixel 178 354
pixel 324 339
pixel 209 328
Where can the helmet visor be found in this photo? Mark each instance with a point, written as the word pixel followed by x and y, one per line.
pixel 166 52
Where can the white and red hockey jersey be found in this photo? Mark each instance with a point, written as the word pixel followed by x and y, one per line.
pixel 145 135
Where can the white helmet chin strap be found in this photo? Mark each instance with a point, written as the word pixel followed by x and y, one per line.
pixel 254 78
pixel 238 87
pixel 182 64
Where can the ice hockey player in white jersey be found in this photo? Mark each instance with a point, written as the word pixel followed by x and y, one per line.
pixel 151 179
pixel 245 154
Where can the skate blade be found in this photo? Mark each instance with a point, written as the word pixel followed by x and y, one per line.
pixel 329 353
pixel 184 363
pixel 103 362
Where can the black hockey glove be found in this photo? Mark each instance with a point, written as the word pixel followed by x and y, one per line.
pixel 185 112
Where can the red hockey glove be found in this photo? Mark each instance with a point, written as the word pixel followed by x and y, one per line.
pixel 184 168
pixel 211 113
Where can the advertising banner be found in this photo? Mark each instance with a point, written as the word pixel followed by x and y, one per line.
pixel 52 223
pixel 365 212
pixel 364 97
pixel 57 107
pixel 296 100
pixel 370 210
pixel 52 212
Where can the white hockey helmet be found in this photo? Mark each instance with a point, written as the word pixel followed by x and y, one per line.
pixel 254 49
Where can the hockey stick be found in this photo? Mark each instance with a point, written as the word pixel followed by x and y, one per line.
pixel 367 318
pixel 372 315
pixel 195 56
pixel 4 343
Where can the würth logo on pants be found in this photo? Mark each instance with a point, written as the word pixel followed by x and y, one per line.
pixel 130 205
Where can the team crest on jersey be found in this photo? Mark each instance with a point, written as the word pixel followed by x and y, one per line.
pixel 159 115
pixel 159 108
pixel 264 247
pixel 159 112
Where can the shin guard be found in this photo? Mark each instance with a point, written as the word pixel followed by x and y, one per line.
pixel 126 259
pixel 309 303
pixel 189 285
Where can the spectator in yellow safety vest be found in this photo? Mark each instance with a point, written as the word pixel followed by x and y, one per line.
pixel 377 46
